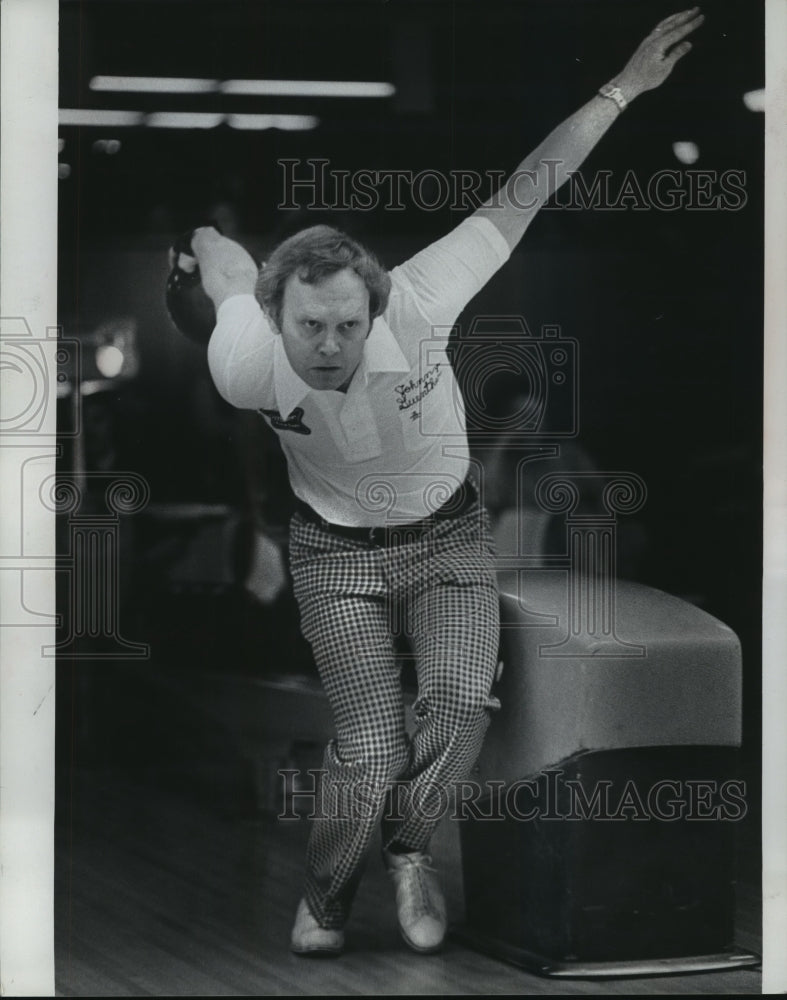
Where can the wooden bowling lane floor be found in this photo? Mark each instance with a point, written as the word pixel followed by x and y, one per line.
pixel 163 889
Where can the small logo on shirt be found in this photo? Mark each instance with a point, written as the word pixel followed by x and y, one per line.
pixel 293 423
pixel 412 392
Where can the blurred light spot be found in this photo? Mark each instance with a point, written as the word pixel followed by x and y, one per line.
pixel 154 84
pixel 285 122
pixel 184 119
pixel 94 116
pixel 754 100
pixel 109 360
pixel 686 152
pixel 109 146
pixel 61 145
pixel 63 171
pixel 308 88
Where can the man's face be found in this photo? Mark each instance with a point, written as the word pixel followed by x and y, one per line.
pixel 324 327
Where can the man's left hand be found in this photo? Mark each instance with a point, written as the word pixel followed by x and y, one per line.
pixel 657 54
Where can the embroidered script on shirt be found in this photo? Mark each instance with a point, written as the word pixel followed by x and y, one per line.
pixel 412 392
pixel 293 423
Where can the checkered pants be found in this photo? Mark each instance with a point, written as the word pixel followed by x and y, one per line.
pixel 355 597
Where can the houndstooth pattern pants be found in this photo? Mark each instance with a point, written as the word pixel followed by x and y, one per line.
pixel 354 597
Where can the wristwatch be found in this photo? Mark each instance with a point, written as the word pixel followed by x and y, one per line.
pixel 615 94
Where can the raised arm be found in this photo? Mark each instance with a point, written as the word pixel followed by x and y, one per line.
pixel 226 269
pixel 240 347
pixel 512 208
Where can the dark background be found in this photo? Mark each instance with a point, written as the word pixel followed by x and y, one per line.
pixel 666 306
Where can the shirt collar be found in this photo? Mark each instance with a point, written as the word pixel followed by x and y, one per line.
pixel 381 353
pixel 289 387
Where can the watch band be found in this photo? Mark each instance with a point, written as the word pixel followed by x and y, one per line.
pixel 614 93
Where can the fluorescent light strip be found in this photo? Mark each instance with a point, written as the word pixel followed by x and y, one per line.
pixel 274 88
pixel 184 119
pixel 95 116
pixel 154 84
pixel 287 123
pixel 307 88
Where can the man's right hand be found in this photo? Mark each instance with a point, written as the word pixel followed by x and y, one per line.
pixel 226 269
pixel 182 254
pixel 183 261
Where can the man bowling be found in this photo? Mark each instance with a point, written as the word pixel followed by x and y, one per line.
pixel 389 526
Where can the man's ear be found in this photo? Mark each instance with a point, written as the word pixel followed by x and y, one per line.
pixel 271 321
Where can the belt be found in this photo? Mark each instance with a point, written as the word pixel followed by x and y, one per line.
pixel 396 534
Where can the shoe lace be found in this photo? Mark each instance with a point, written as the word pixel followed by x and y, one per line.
pixel 414 868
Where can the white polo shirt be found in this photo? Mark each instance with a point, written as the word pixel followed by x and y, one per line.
pixel 393 447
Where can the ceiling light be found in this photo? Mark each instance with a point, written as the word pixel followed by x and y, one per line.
pixel 94 116
pixel 109 146
pixel 686 152
pixel 154 84
pixel 284 122
pixel 109 360
pixel 754 100
pixel 184 119
pixel 307 88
